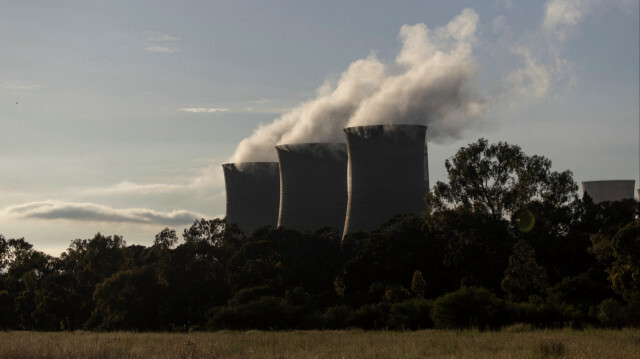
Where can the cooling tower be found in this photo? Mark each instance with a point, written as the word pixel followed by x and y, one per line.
pixel 386 174
pixel 601 191
pixel 313 185
pixel 253 192
pixel 426 170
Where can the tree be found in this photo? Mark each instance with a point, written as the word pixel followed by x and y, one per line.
pixel 130 299
pixel 390 256
pixel 166 239
pixel 27 271
pixel 523 277
pixel 10 250
pixel 213 239
pixel 496 195
pixel 418 285
pixel 499 179
pixel 90 261
pixel 624 272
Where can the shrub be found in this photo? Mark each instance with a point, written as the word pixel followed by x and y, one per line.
pixel 247 295
pixel 411 314
pixel 371 316
pixel 264 313
pixel 224 317
pixel 632 312
pixel 396 294
pixel 543 314
pixel 610 313
pixel 467 307
pixel 336 317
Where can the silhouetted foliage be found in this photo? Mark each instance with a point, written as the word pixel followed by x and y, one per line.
pixel 523 276
pixel 468 307
pixel 505 241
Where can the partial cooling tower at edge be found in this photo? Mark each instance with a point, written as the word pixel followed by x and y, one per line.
pixel 614 190
pixel 313 185
pixel 253 193
pixel 386 174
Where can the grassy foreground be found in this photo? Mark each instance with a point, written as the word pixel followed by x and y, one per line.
pixel 513 342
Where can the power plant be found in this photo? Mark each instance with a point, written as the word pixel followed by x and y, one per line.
pixel 253 193
pixel 313 185
pixel 614 190
pixel 386 174
pixel 382 171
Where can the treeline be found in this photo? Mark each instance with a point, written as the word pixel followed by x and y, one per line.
pixel 505 241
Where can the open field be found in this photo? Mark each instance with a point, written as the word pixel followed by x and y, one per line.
pixel 514 342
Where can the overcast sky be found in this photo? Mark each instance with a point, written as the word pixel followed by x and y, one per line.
pixel 116 115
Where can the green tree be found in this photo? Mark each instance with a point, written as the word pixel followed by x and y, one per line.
pixel 166 239
pixel 496 195
pixel 91 261
pixel 499 179
pixel 523 277
pixel 468 307
pixel 130 299
pixel 28 269
pixel 418 285
pixel 624 272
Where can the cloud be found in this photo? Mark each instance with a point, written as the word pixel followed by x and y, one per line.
pixel 203 109
pixel 19 86
pixel 161 49
pixel 534 79
pixel 508 4
pixel 207 180
pixel 562 16
pixel 429 84
pixel 543 65
pixel 155 36
pixel 91 212
pixel 127 187
pixel 159 42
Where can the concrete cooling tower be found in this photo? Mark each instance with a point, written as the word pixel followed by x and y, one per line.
pixel 253 192
pixel 313 185
pixel 601 191
pixel 386 174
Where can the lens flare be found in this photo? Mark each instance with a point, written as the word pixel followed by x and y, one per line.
pixel 525 220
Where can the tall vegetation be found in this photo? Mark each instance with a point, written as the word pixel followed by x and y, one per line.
pixel 505 240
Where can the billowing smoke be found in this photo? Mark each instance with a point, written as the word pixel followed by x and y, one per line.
pixel 429 84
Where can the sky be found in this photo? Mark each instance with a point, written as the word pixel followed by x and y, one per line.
pixel 116 116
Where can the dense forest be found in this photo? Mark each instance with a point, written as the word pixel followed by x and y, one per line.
pixel 506 240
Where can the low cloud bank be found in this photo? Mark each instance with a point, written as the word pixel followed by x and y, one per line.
pixel 91 212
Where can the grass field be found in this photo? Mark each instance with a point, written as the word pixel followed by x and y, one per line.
pixel 513 342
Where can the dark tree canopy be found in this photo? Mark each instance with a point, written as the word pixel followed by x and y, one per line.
pixel 505 241
pixel 499 179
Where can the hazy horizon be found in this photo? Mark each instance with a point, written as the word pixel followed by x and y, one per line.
pixel 117 116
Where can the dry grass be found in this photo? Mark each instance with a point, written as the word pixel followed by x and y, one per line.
pixel 515 342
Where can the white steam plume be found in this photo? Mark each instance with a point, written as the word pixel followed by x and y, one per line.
pixel 429 84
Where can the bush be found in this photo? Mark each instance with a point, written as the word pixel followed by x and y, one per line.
pixel 411 314
pixel 264 313
pixel 336 317
pixel 468 307
pixel 224 317
pixel 610 313
pixel 396 294
pixel 543 314
pixel 371 316
pixel 247 295
pixel 632 312
pixel 582 293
